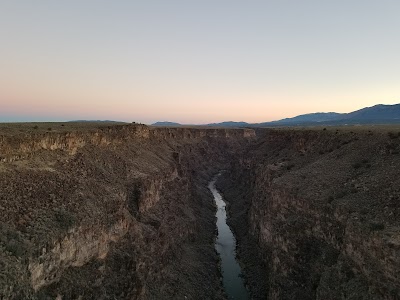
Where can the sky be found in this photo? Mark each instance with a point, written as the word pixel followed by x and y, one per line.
pixel 195 61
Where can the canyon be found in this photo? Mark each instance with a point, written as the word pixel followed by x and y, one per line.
pixel 124 211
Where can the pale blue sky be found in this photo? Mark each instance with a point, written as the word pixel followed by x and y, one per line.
pixel 196 61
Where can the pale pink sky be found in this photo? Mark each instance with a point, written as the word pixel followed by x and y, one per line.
pixel 195 62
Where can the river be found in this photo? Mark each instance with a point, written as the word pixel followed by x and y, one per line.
pixel 226 248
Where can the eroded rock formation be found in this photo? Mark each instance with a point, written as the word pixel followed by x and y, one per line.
pixel 123 212
pixel 317 214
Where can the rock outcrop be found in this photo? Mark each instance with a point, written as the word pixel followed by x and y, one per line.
pixel 123 212
pixel 118 212
pixel 321 210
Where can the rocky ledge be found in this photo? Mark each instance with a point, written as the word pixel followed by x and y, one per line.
pixel 123 212
pixel 317 214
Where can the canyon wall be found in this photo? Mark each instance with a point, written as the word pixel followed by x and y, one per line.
pixel 316 214
pixel 118 212
pixel 123 212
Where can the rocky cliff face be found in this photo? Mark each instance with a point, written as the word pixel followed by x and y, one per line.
pixel 120 212
pixel 317 213
pixel 123 212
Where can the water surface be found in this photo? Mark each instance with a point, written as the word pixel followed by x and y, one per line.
pixel 226 247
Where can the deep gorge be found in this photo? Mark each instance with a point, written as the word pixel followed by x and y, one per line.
pixel 124 212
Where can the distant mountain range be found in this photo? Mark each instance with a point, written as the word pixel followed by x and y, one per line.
pixel 166 123
pixel 378 114
pixel 94 121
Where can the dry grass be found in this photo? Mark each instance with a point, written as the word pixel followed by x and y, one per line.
pixel 41 127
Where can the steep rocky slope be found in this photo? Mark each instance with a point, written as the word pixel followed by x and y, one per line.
pixel 317 214
pixel 123 212
pixel 118 212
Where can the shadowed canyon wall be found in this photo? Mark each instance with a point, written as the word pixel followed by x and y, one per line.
pixel 123 212
pixel 316 214
pixel 120 212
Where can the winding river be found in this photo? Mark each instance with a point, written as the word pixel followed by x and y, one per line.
pixel 226 247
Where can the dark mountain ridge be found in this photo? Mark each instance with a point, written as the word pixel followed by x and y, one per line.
pixel 377 114
pixel 166 123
